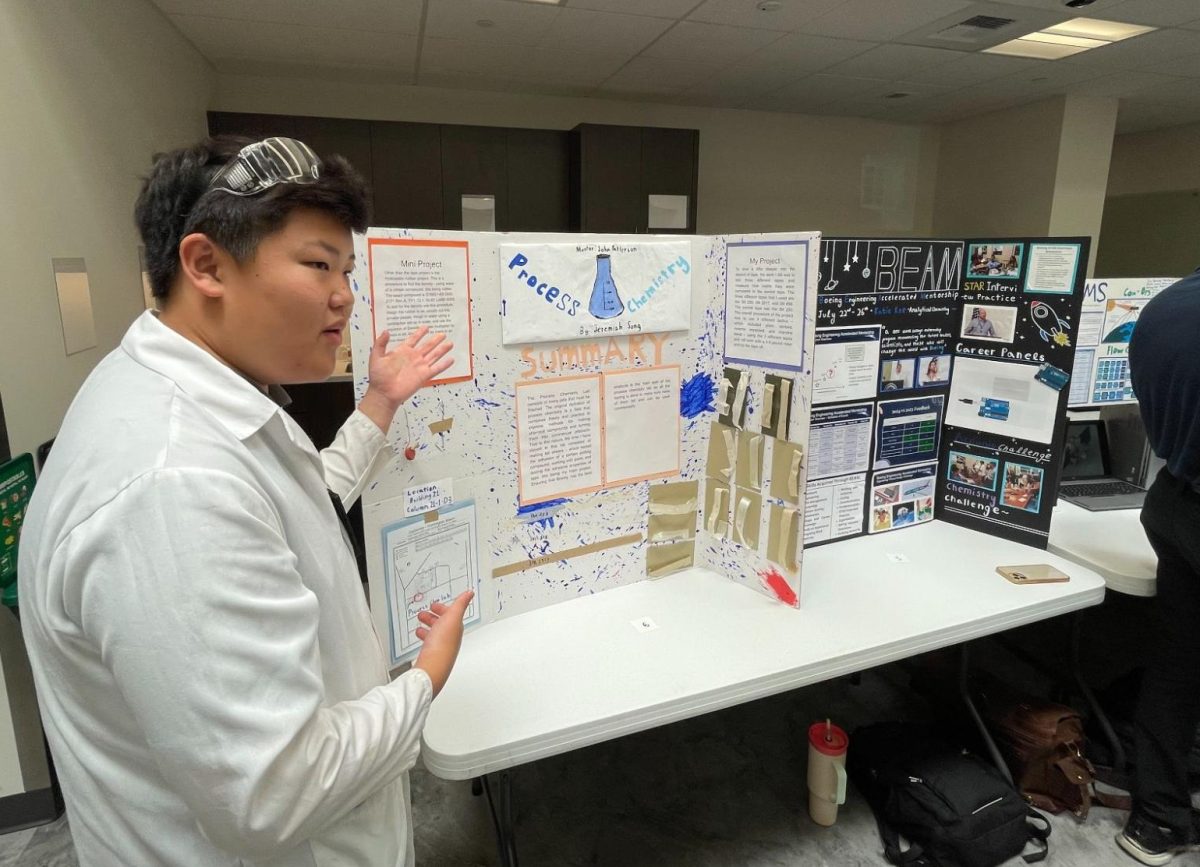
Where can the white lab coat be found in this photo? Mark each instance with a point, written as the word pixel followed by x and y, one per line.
pixel 210 680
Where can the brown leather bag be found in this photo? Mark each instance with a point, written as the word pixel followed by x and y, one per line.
pixel 1043 743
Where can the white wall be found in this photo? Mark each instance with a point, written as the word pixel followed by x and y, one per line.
pixel 996 172
pixel 1159 161
pixel 88 92
pixel 1081 178
pixel 759 171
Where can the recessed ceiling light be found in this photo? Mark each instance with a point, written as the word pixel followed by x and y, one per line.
pixel 1094 28
pixel 1035 50
pixel 485 23
pixel 1063 39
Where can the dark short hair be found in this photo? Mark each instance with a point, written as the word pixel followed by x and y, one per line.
pixel 175 201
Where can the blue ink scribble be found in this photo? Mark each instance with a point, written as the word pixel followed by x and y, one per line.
pixel 697 396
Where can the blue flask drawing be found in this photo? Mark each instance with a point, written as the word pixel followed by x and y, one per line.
pixel 605 302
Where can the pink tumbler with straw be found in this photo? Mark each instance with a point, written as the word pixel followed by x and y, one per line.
pixel 827 745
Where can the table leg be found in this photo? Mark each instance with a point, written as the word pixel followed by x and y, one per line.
pixel 1120 770
pixel 501 808
pixel 964 691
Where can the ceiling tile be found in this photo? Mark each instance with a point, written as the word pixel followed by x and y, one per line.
pixel 585 30
pixel 893 61
pixel 1188 65
pixel 219 38
pixel 661 8
pixel 657 76
pixel 512 23
pixel 1157 13
pixel 357 75
pixel 968 69
pixel 712 44
pixel 1025 19
pixel 745 13
pixel 1150 49
pixel 503 85
pixel 825 89
pixel 396 16
pixel 568 67
pixel 454 56
pixel 1058 6
pixel 1178 91
pixel 881 22
pixel 801 54
pixel 1134 84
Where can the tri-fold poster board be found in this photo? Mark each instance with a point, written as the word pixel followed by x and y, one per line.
pixel 620 407
pixel 623 407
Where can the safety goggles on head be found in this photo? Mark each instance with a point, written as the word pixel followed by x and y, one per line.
pixel 262 165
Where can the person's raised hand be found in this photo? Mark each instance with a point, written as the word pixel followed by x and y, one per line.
pixel 395 376
pixel 441 632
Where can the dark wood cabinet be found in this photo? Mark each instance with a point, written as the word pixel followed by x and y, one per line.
pixel 538 193
pixel 406 165
pixel 614 170
pixel 346 138
pixel 474 163
pixel 255 126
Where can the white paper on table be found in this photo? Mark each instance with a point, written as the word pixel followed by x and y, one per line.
pixel 416 282
pixel 764 303
pixel 554 291
pixel 426 562
pixel 641 424
pixel 559 441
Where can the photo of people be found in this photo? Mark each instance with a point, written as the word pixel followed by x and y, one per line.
pixel 887 496
pixel 973 470
pixel 924 510
pixel 881 519
pixel 933 370
pixel 903 515
pixel 993 259
pixel 1022 487
pixel 988 322
pixel 897 374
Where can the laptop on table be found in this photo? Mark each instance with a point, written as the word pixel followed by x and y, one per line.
pixel 1087 479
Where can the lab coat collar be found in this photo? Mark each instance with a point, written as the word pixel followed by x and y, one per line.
pixel 232 399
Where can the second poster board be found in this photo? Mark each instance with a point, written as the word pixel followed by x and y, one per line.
pixel 887 311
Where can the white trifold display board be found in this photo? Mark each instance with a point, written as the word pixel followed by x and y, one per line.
pixel 486 444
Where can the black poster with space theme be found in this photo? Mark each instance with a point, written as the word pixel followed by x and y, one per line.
pixel 1005 420
pixel 888 313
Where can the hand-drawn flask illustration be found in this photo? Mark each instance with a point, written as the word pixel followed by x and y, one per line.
pixel 605 302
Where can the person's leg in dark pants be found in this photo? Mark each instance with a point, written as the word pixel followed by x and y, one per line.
pixel 1169 705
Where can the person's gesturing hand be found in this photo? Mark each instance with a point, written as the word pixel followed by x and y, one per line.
pixel 441 635
pixel 397 375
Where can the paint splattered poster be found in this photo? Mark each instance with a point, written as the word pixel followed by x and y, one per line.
pixel 593 288
pixel 638 511
pixel 1014 356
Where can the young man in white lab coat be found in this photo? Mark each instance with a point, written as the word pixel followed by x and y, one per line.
pixel 210 681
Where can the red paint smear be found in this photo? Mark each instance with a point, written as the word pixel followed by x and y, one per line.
pixel 779 586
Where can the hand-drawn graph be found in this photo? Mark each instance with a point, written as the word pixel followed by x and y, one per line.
pixel 428 562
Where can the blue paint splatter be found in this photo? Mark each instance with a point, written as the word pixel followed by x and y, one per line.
pixel 481 402
pixel 545 521
pixel 697 396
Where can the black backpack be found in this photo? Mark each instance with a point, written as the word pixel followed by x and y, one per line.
pixel 955 809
